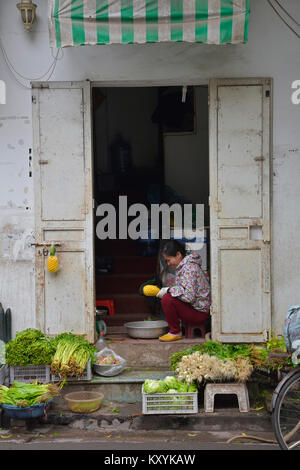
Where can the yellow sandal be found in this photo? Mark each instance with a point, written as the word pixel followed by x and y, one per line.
pixel 169 337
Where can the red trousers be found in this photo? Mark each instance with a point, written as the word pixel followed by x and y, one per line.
pixel 175 309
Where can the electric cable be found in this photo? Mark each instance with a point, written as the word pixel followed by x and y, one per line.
pixel 286 12
pixel 281 17
pixel 14 72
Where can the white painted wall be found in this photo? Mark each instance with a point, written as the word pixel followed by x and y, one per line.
pixel 272 51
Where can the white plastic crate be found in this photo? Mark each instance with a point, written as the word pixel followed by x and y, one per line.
pixel 87 375
pixel 3 373
pixel 169 403
pixel 29 374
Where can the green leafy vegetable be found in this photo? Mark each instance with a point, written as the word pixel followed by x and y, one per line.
pixel 30 346
pixel 25 394
pixel 169 385
pixel 170 381
pixel 72 354
pixel 155 386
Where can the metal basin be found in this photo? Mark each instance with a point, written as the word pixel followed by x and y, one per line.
pixel 146 329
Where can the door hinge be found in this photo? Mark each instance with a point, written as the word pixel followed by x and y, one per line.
pixel 33 99
pixel 82 108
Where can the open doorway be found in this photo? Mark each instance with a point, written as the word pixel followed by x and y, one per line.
pixel 151 145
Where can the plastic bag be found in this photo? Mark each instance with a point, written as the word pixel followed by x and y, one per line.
pixel 292 328
pixel 108 370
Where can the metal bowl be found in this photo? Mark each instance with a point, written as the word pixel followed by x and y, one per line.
pixel 146 329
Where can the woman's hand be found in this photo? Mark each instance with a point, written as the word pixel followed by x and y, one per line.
pixel 162 292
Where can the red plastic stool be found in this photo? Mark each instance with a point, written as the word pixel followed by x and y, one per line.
pixel 189 329
pixel 109 303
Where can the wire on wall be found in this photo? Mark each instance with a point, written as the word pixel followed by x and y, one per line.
pixel 281 17
pixel 16 74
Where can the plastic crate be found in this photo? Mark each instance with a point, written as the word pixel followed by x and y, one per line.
pixel 3 373
pixel 169 403
pixel 87 375
pixel 29 374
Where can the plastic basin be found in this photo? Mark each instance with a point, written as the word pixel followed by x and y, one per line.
pixel 84 402
pixel 28 412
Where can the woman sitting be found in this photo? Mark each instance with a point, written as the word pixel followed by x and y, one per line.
pixel 189 298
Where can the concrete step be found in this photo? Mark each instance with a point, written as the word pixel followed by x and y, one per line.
pixel 148 352
pixel 122 409
pixel 124 388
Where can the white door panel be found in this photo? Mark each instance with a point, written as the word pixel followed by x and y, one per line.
pixel 240 119
pixel 64 207
pixel 239 142
pixel 62 148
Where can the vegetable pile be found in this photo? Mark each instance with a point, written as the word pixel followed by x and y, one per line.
pixel 168 385
pixel 72 355
pixel 214 361
pixel 199 367
pixel 107 360
pixel 171 400
pixel 25 394
pixel 29 347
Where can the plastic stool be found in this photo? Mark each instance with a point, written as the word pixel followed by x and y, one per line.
pixel 189 329
pixel 109 303
pixel 239 389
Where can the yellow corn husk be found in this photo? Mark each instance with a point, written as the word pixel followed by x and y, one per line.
pixel 150 291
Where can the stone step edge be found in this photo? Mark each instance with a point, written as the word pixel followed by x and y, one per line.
pixel 156 374
pixel 231 420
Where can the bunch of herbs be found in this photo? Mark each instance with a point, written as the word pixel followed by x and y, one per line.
pixel 30 347
pixel 26 394
pixel 72 355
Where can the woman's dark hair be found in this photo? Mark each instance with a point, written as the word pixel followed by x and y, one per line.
pixel 171 248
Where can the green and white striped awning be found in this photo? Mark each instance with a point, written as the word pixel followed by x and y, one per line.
pixel 81 22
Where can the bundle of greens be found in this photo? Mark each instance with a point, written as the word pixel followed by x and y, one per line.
pixel 258 356
pixel 168 385
pixel 72 355
pixel 203 367
pixel 172 389
pixel 26 394
pixel 30 347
